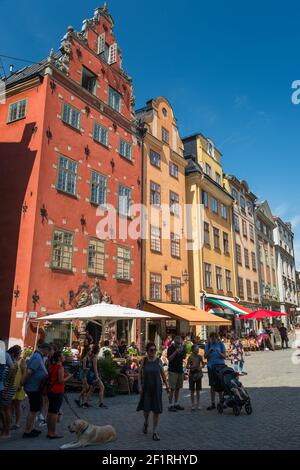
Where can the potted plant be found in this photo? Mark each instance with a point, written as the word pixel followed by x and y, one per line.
pixel 67 352
pixel 109 372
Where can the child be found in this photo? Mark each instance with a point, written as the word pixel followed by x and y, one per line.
pixel 20 393
pixel 194 364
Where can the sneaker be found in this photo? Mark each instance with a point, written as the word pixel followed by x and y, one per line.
pixel 171 408
pixel 101 405
pixel 200 408
pixel 28 435
pixel 178 407
pixel 193 408
pixel 36 431
pixel 42 423
pixel 78 403
pixel 85 406
pixel 211 407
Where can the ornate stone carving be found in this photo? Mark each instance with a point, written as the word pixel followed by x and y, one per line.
pixel 87 295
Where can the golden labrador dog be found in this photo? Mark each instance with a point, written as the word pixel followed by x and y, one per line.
pixel 89 434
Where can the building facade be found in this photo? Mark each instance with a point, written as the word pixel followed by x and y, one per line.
pixel 285 266
pixel 165 262
pixel 247 267
pixel 69 151
pixel 211 261
pixel 266 257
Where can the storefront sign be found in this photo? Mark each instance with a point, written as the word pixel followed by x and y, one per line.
pixel 19 314
pixel 33 315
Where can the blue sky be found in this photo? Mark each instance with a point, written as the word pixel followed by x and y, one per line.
pixel 225 65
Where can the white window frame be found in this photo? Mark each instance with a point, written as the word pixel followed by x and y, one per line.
pixel 101 131
pixel 125 149
pixel 20 105
pixel 113 53
pixel 101 43
pixel 70 112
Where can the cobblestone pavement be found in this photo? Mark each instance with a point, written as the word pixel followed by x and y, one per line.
pixel 273 383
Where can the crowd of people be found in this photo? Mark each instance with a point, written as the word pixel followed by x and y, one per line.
pixel 42 376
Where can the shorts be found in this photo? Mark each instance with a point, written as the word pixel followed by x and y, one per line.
pixel 195 385
pixel 35 401
pixel 55 402
pixel 211 377
pixel 175 380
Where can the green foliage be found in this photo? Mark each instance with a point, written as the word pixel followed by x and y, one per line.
pixel 109 369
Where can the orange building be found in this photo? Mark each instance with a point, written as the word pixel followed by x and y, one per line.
pixel 165 263
pixel 68 146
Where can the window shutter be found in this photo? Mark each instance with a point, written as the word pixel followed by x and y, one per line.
pixel 101 43
pixel 113 51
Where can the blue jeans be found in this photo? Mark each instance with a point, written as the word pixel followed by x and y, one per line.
pixel 238 366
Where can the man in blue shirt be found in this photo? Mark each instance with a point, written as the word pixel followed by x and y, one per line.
pixel 215 353
pixel 36 374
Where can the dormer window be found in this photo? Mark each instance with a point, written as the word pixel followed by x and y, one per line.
pixel 210 149
pixel 101 43
pixel 113 53
pixel 89 81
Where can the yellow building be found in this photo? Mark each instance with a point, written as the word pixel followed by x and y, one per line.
pixel 165 263
pixel 247 264
pixel 211 254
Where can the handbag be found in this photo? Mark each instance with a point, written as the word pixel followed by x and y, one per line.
pixel 197 375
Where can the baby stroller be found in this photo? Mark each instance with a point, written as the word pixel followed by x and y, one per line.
pixel 234 394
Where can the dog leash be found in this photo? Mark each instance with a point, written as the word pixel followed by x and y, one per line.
pixel 69 405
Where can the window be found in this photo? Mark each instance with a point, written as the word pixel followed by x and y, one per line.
pixel 226 243
pixel 224 212
pixel 210 149
pixel 244 227
pixel 154 194
pixel 123 263
pixel 155 238
pixel 155 286
pixel 125 149
pixel 154 158
pixel 206 234
pixel 216 238
pixel 219 278
pixel 249 289
pixel 165 112
pixel 165 136
pixel 114 99
pixel 89 81
pixel 100 134
pixel 96 257
pixel 173 169
pixel 113 53
pixel 238 254
pixel 208 169
pixel 175 245
pixel 250 208
pixel 228 280
pixel 101 43
pixel 214 205
pixel 218 178
pixel 174 203
pixel 243 204
pixel 241 287
pixel 255 285
pixel 17 110
pixel 67 175
pixel 234 194
pixel 251 232
pixel 62 252
pixel 98 188
pixel 124 200
pixel 207 274
pixel 205 198
pixel 71 116
pixel 176 291
pixel 253 256
pixel 236 222
pixel 247 260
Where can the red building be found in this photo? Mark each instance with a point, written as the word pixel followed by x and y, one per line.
pixel 68 145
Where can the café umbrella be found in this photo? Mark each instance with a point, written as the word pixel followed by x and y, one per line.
pixel 261 314
pixel 102 313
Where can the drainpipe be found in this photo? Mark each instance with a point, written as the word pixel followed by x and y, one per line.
pixel 142 131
